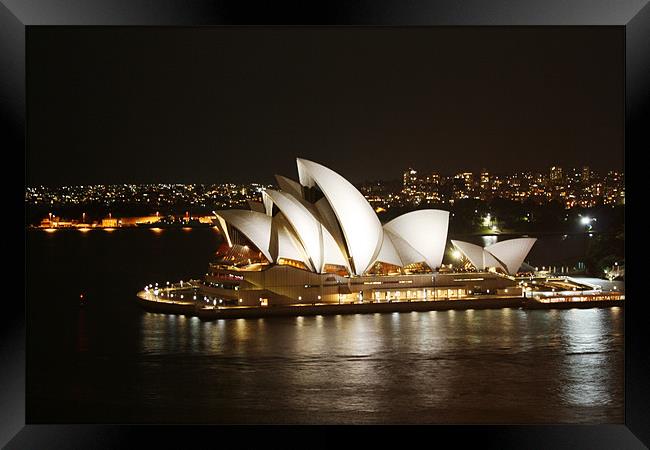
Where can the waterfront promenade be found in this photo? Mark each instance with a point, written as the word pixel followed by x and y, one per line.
pixel 153 303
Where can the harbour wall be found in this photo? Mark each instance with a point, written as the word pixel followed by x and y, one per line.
pixel 209 313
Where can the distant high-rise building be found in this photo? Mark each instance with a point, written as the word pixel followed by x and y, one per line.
pixel 463 185
pixel 410 180
pixel 430 187
pixel 586 174
pixel 485 180
pixel 556 175
pixel 433 179
pixel 468 178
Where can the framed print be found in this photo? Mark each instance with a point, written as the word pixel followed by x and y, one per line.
pixel 367 213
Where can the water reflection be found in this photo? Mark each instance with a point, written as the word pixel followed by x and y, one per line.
pixel 473 366
pixel 587 343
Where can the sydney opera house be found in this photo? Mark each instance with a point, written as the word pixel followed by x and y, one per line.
pixel 318 240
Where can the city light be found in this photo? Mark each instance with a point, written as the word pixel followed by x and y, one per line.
pixel 566 186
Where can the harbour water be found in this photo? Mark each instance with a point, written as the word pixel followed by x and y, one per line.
pixel 112 362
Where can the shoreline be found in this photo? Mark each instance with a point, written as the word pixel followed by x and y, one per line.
pixel 204 225
pixel 209 314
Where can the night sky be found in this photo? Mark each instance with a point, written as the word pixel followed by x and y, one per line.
pixel 207 105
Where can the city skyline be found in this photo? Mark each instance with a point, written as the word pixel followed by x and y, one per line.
pixel 574 187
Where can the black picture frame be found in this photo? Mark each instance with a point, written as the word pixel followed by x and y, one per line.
pixel 16 16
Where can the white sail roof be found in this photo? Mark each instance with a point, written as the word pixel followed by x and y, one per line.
pixel 223 228
pixel 511 252
pixel 284 243
pixel 254 225
pixel 490 261
pixel 290 186
pixel 341 228
pixel 268 203
pixel 507 255
pixel 328 219
pixel 306 227
pixel 424 230
pixel 407 254
pixel 388 253
pixel 320 246
pixel 332 253
pixel 361 226
pixel 473 252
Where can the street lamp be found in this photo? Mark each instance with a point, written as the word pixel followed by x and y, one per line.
pixel 586 221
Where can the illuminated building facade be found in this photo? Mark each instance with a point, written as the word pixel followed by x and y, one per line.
pixel 318 240
pixel 556 175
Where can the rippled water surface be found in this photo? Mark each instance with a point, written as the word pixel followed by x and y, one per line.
pixel 112 362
